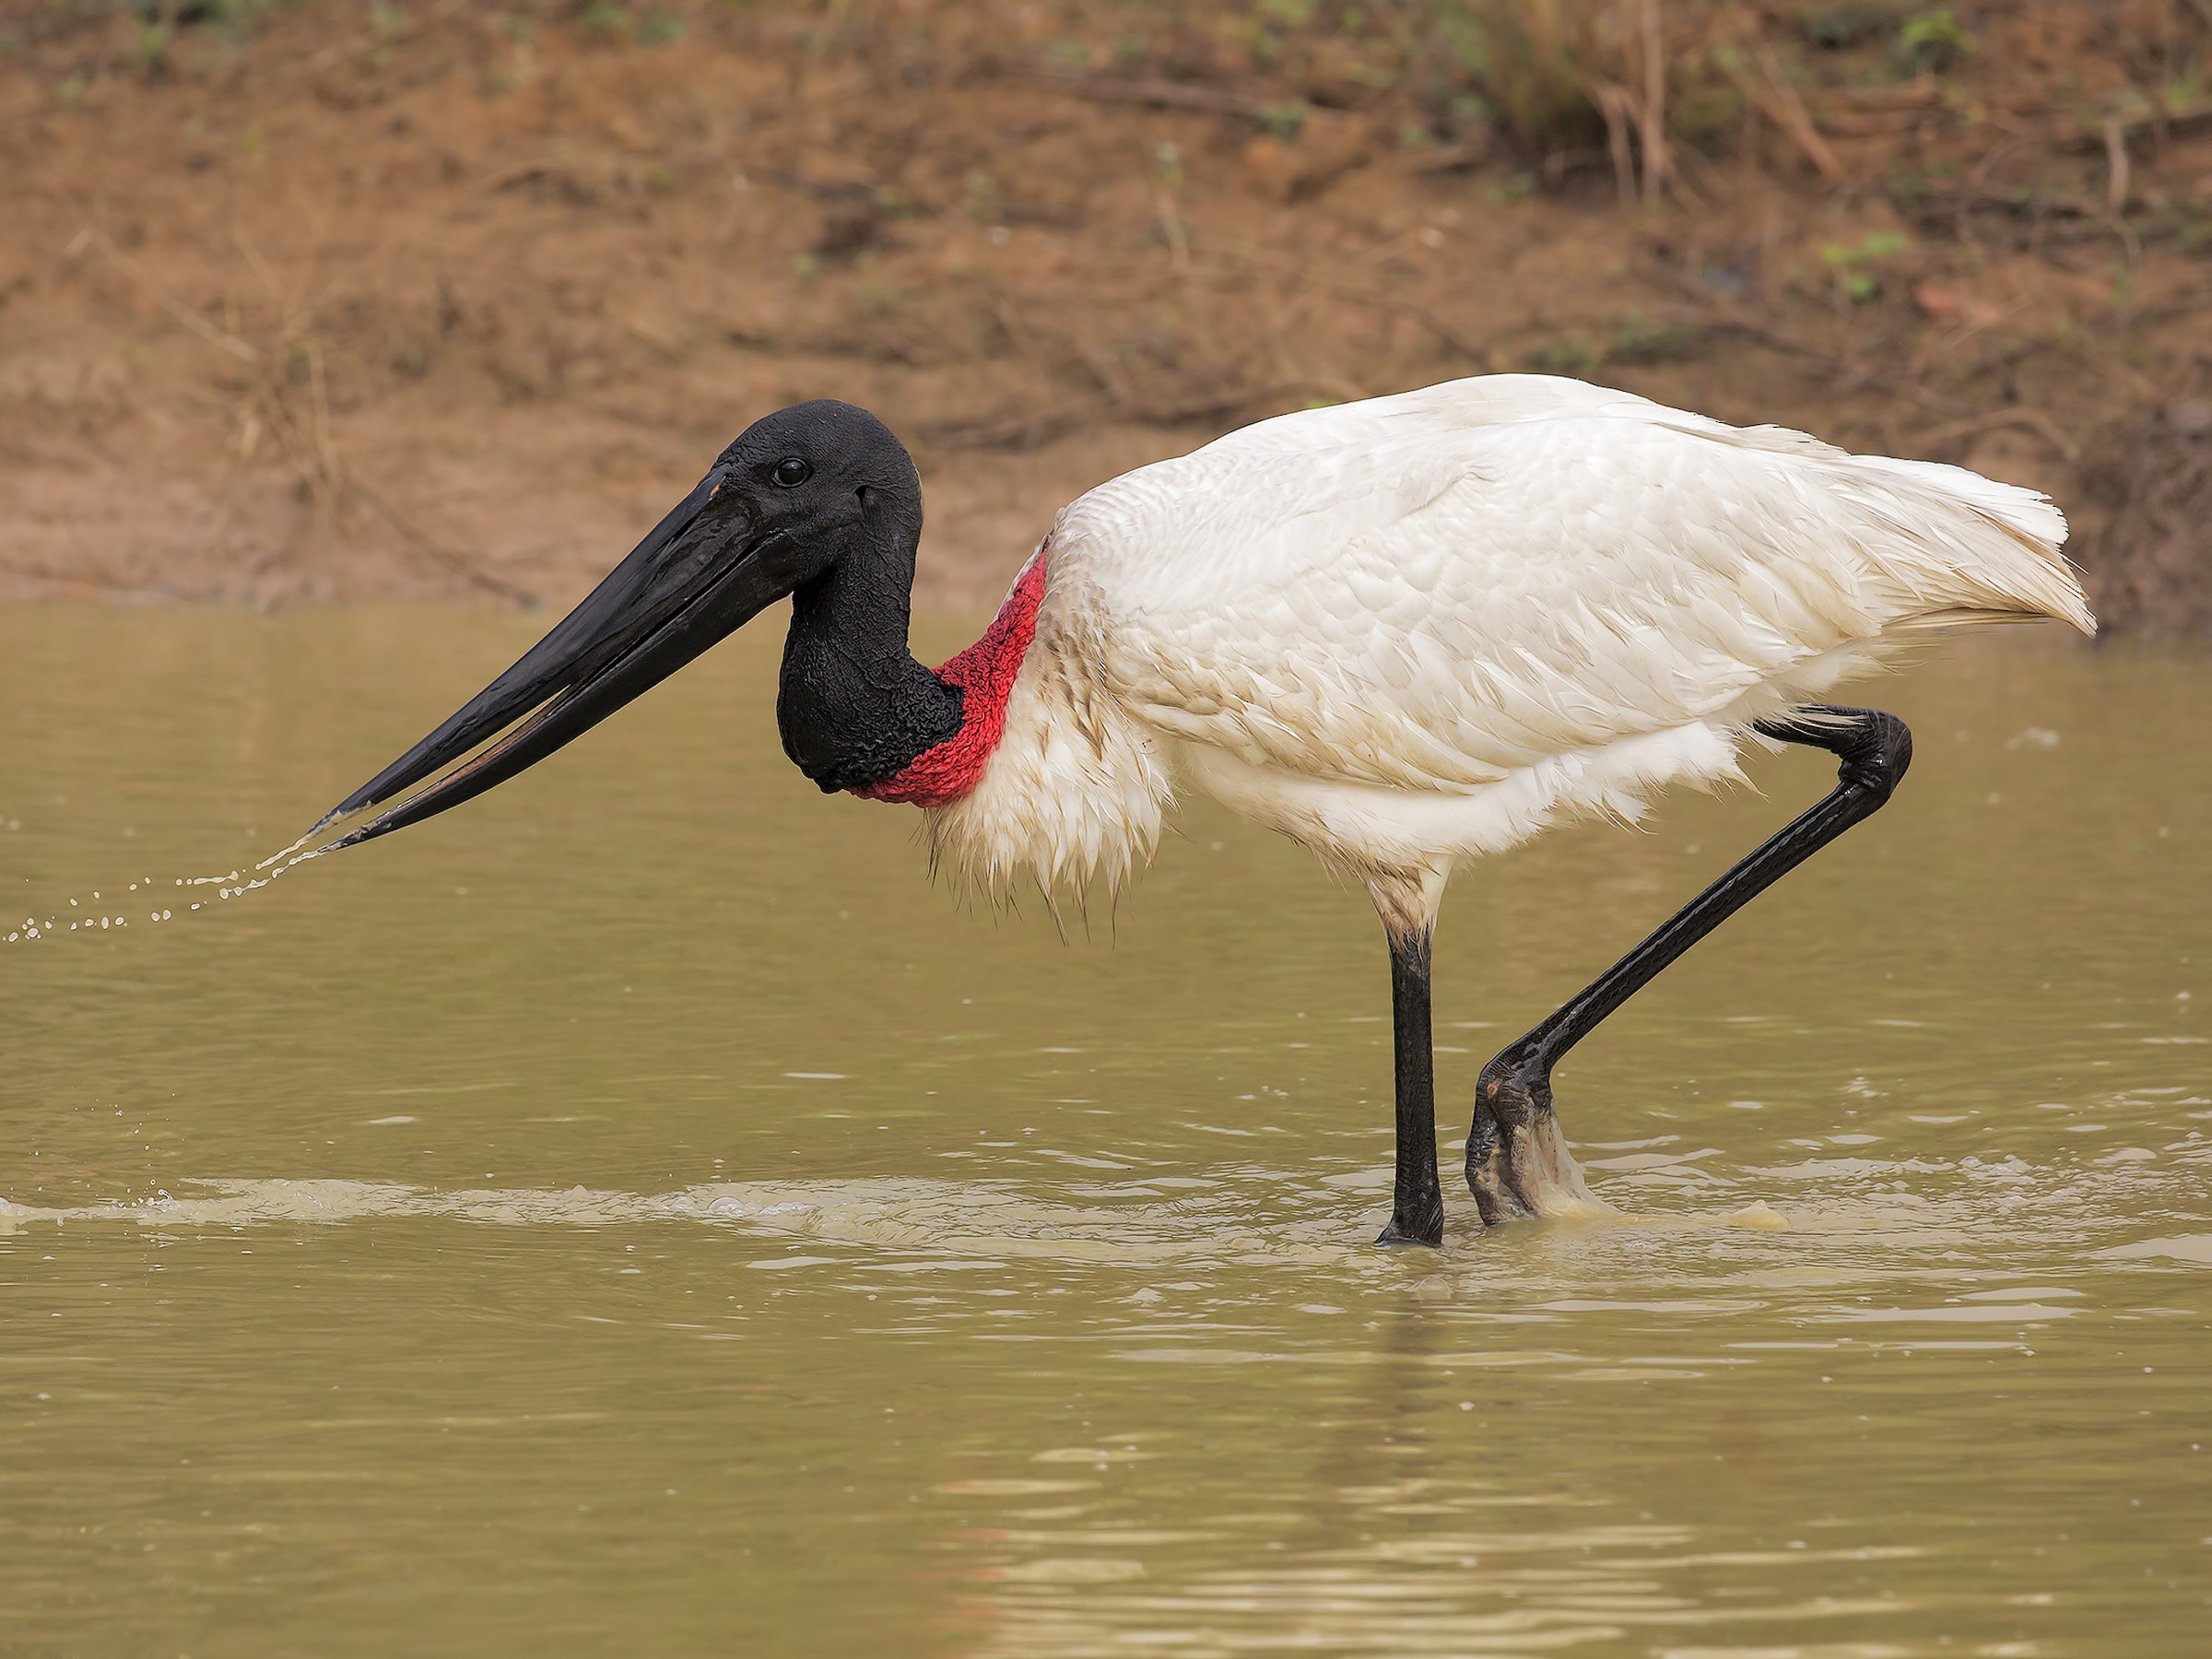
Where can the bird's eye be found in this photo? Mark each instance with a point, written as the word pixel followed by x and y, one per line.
pixel 790 472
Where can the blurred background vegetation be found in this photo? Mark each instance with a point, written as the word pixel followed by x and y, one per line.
pixel 320 298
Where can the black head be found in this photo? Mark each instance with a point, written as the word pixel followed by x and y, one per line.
pixel 800 491
pixel 809 474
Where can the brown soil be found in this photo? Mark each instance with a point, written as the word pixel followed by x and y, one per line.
pixel 342 300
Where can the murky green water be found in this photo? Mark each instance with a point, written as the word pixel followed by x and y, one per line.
pixel 637 1213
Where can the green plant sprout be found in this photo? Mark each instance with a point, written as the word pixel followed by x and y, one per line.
pixel 1857 273
pixel 1932 41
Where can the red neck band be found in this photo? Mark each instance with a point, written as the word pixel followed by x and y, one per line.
pixel 985 672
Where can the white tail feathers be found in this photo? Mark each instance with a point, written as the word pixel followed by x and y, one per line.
pixel 1954 546
pixel 1965 547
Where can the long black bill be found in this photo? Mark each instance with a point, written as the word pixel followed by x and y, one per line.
pixel 680 591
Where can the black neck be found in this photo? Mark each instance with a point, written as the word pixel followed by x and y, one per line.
pixel 855 707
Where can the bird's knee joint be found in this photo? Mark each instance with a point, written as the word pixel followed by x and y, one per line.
pixel 1876 760
pixel 1515 1086
pixel 1496 1078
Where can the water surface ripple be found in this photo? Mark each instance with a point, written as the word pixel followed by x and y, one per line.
pixel 636 1213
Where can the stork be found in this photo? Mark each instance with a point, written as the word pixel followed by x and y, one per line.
pixel 1406 632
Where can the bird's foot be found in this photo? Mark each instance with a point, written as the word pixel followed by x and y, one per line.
pixel 1424 1227
pixel 1518 1165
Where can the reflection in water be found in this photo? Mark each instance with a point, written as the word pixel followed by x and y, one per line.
pixel 638 1213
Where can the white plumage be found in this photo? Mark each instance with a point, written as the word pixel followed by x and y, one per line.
pixel 1417 629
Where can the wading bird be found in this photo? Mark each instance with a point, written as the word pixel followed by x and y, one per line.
pixel 1404 632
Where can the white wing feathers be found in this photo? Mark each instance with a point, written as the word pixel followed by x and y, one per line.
pixel 1422 627
pixel 1436 590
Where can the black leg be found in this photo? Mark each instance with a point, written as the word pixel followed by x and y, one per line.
pixel 1517 1161
pixel 1417 1206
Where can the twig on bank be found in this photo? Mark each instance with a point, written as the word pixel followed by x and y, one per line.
pixel 446 559
pixel 1473 350
pixel 1613 103
pixel 1770 92
pixel 2017 415
pixel 2115 163
pixel 1723 319
pixel 1652 117
pixel 1645 114
pixel 1032 429
pixel 1171 228
pixel 2093 131
pixel 1449 157
pixel 222 339
pixel 1158 94
pixel 1009 317
pixel 103 579
pixel 356 45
